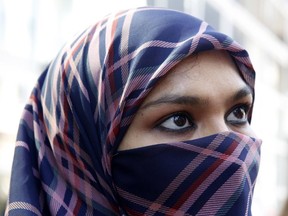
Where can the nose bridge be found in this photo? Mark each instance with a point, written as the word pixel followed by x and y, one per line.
pixel 213 126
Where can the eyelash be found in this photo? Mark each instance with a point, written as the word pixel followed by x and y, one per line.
pixel 246 107
pixel 183 130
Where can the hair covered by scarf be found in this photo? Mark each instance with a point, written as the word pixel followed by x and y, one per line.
pixel 85 101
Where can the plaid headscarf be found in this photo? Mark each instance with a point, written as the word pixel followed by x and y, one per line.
pixel 85 100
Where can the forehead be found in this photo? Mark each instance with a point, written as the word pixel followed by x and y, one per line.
pixel 208 74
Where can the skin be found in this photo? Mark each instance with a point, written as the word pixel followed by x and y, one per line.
pixel 200 96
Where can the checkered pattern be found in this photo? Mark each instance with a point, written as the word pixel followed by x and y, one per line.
pixel 213 175
pixel 85 100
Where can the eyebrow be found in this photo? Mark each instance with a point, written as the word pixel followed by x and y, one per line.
pixel 245 91
pixel 194 100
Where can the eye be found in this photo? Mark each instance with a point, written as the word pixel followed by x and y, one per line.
pixel 238 115
pixel 177 122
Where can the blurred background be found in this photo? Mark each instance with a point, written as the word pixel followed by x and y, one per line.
pixel 33 31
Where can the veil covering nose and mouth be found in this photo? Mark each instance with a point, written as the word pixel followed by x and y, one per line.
pixel 85 100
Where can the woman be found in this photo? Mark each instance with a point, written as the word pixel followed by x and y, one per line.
pixel 145 113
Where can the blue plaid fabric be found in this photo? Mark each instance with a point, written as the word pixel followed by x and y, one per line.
pixel 85 100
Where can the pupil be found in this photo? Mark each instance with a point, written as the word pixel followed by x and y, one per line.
pixel 239 113
pixel 180 120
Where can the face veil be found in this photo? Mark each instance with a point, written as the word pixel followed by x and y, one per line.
pixel 85 100
pixel 213 175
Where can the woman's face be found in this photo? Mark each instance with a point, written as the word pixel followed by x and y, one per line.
pixel 200 96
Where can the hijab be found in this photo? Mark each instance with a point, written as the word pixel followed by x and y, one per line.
pixel 85 100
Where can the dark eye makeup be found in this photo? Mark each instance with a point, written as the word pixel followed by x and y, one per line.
pixel 177 122
pixel 238 115
pixel 182 122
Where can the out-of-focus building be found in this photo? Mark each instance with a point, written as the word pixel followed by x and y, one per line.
pixel 32 32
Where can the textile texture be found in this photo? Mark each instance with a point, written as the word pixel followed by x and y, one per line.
pixel 213 175
pixel 85 100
